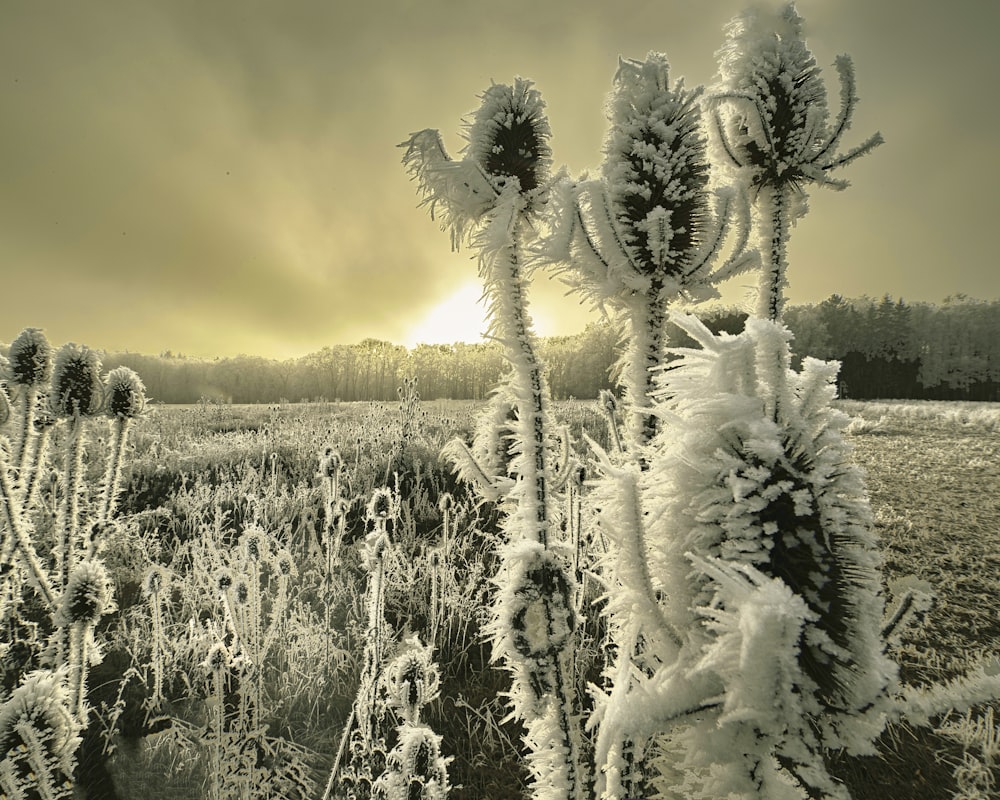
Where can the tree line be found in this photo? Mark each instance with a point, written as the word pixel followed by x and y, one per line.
pixel 887 348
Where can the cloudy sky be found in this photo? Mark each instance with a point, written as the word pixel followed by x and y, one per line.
pixel 221 176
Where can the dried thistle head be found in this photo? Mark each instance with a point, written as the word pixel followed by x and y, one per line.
pixel 656 167
pixel 88 595
pixel 30 358
pixel 76 382
pixel 772 114
pixel 125 392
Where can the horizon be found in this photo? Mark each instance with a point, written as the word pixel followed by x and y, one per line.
pixel 226 178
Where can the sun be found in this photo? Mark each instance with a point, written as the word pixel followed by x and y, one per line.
pixel 460 317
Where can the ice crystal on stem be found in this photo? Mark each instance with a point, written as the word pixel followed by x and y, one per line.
pixel 493 198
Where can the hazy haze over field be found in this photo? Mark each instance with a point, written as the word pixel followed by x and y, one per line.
pixel 222 177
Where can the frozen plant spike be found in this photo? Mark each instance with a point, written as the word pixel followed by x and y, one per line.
pixel 650 230
pixel 494 198
pixel 772 123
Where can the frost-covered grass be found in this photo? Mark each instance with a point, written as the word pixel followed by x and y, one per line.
pixel 933 474
pixel 198 477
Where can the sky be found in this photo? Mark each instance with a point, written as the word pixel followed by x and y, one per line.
pixel 223 177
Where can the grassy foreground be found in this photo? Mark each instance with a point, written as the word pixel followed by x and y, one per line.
pixel 199 475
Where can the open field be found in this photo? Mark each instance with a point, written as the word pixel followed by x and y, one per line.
pixel 200 476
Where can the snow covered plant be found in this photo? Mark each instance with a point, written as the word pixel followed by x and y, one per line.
pixel 649 230
pixel 494 197
pixel 54 588
pixel 749 576
pixel 415 769
pixel 756 595
pixel 363 740
pixel 773 128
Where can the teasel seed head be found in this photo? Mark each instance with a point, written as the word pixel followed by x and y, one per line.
pixel 76 381
pixel 254 543
pixel 217 659
pixel 330 462
pixel 656 167
pixel 241 591
pixel 508 137
pixel 154 582
pixel 284 564
pixel 88 594
pixel 30 358
pixel 381 505
pixel 126 393
pixel 223 580
pixel 42 703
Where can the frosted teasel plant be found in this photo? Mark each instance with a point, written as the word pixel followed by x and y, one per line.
pixel 765 639
pixel 650 231
pixel 252 586
pixel 60 563
pixel 771 117
pixel 753 576
pixel 415 768
pixel 39 737
pixel 494 198
pixel 362 741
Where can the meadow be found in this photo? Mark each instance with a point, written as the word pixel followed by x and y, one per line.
pixel 201 477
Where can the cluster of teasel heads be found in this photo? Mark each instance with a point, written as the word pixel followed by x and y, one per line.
pixel 415 768
pixel 41 389
pixel 743 585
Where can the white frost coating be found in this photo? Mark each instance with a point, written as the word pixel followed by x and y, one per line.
pixel 650 230
pixel 757 544
pixel 770 114
pixel 533 618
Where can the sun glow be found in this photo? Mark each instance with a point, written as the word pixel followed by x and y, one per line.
pixel 460 317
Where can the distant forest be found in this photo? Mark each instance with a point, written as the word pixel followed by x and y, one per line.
pixel 887 349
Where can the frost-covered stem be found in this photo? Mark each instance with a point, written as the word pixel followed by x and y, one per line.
pixel 78 657
pixel 646 323
pixel 219 704
pixel 22 454
pixel 157 619
pixel 515 328
pixel 17 538
pixel 435 599
pixel 506 283
pixel 29 476
pixel 775 216
pixel 112 477
pixel 68 527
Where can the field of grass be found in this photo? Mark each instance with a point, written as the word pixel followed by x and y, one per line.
pixel 200 476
